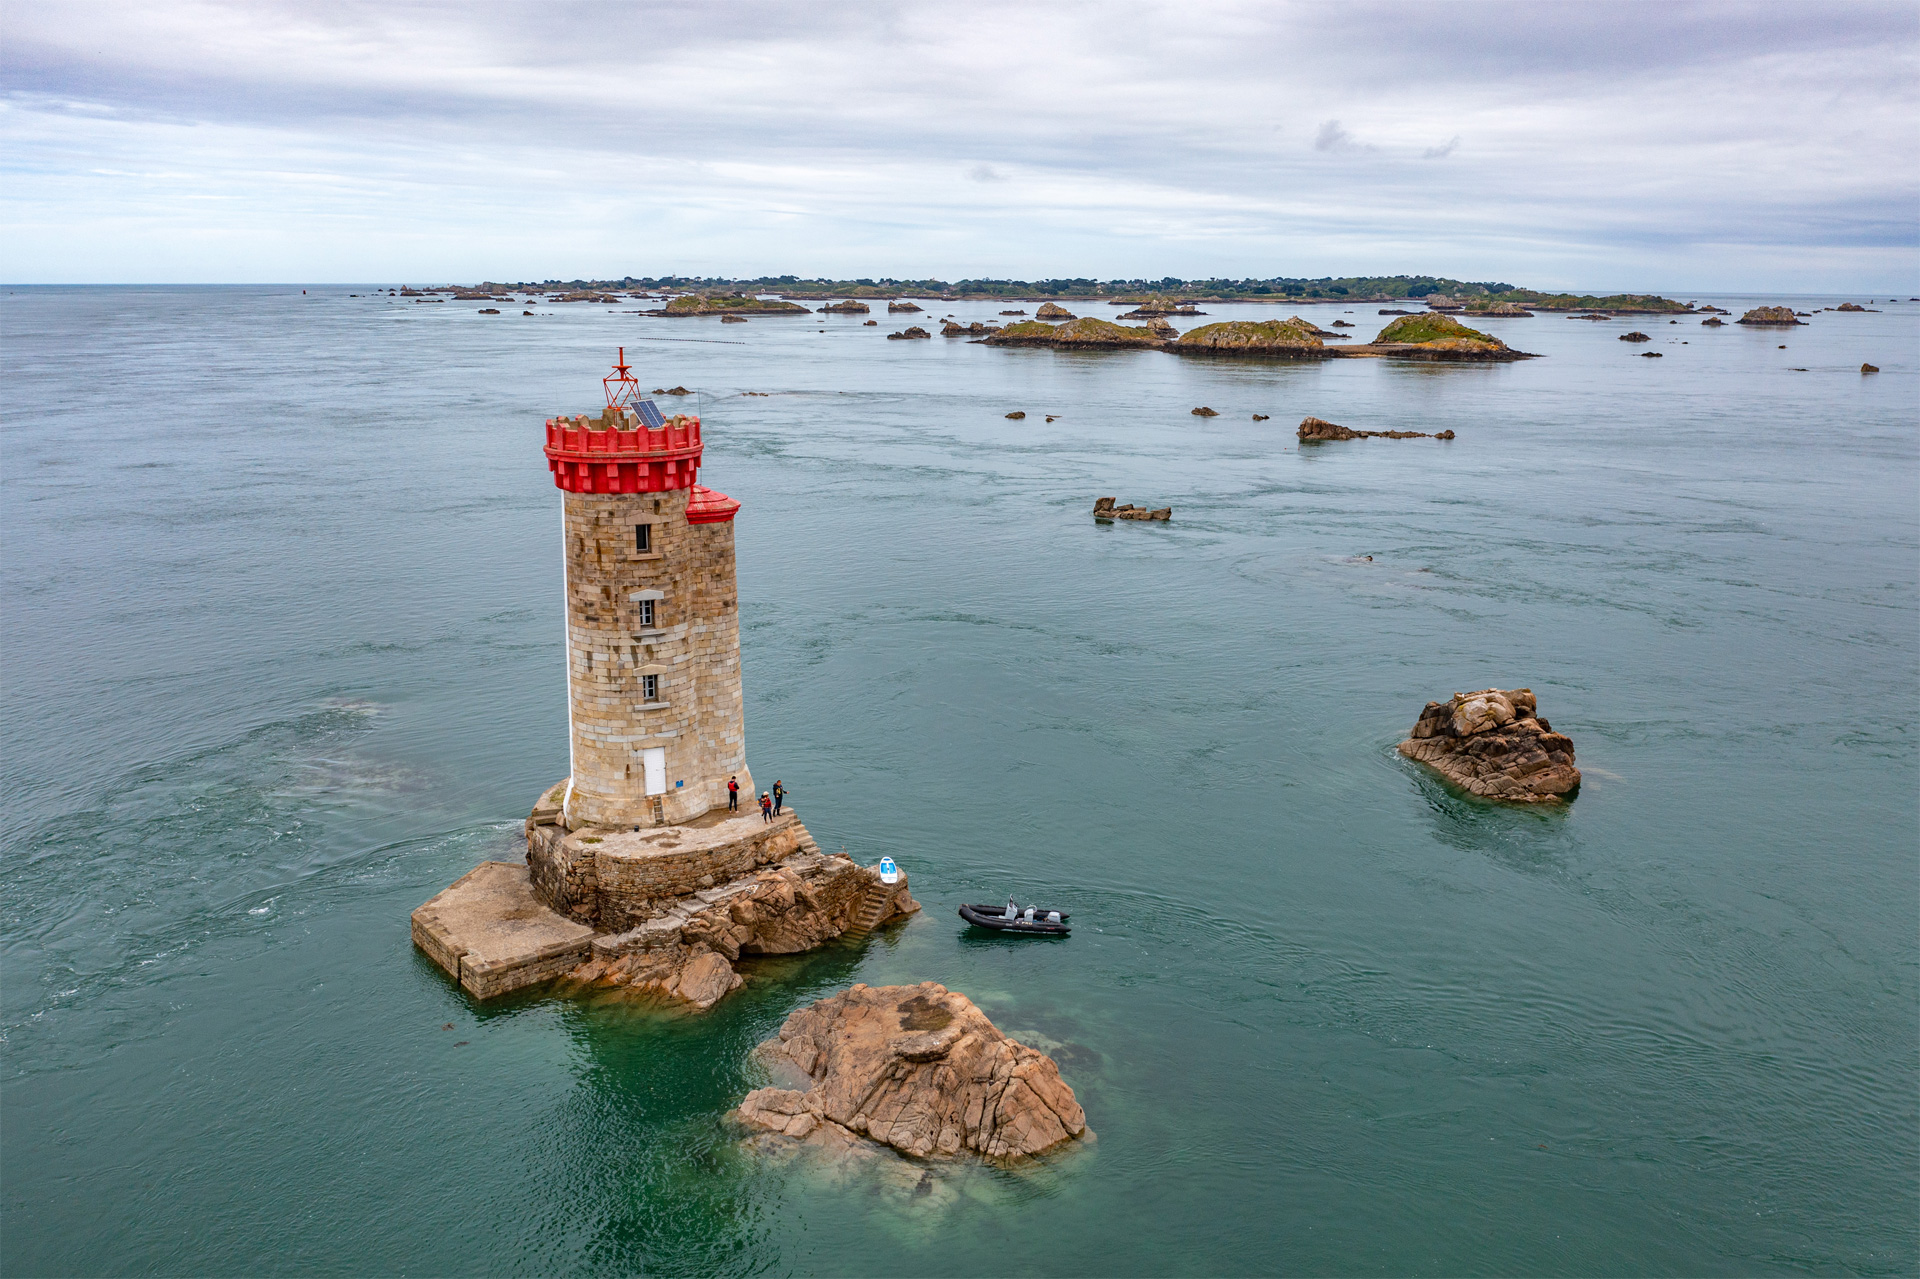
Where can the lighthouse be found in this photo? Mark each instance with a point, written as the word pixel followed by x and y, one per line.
pixel 655 720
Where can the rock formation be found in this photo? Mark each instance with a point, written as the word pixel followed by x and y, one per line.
pixel 1869 368
pixel 731 318
pixel 1013 313
pixel 1260 417
pixel 912 331
pixel 1712 310
pixel 1104 509
pixel 948 329
pixel 1020 415
pixel 1713 321
pixel 1769 316
pixel 1315 430
pixel 686 951
pixel 1651 355
pixel 672 907
pixel 1849 306
pixel 1204 411
pixel 1508 309
pixel 1053 311
pixel 1635 336
pixel 1494 744
pixel 916 1068
pixel 1439 337
pixel 728 304
pixel 900 304
pixel 1087 332
pixel 1252 337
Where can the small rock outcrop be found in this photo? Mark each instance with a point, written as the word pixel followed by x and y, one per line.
pixel 1104 509
pixel 1713 322
pixel 1494 744
pixel 1635 336
pixel 949 329
pixel 848 307
pixel 1252 337
pixel 1204 411
pixel 1511 310
pixel 731 318
pixel 1017 415
pixel 1440 336
pixel 675 390
pixel 1053 311
pixel 1013 313
pixel 1869 368
pixel 912 331
pixel 731 304
pixel 1315 430
pixel 1087 332
pixel 900 304
pixel 918 1068
pixel 1849 306
pixel 1769 316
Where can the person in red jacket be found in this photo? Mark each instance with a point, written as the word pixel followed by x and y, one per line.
pixel 766 807
pixel 733 794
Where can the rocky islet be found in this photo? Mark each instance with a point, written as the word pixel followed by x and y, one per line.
pixel 1494 744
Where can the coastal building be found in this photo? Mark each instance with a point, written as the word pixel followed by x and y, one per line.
pixel 637 874
pixel 653 621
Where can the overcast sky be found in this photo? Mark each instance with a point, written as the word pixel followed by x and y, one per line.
pixel 1607 145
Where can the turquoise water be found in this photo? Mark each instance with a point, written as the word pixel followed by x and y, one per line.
pixel 283 659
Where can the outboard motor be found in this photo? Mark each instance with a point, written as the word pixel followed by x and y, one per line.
pixel 1053 917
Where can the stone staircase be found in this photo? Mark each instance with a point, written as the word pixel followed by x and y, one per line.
pixel 866 916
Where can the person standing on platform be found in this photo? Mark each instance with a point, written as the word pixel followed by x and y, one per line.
pixel 779 796
pixel 766 807
pixel 733 794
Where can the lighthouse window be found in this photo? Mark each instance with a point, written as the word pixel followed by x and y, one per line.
pixel 646 609
pixel 650 687
pixel 643 537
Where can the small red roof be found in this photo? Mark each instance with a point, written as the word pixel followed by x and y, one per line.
pixel 709 506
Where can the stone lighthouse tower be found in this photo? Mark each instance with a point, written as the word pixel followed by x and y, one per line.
pixel 653 621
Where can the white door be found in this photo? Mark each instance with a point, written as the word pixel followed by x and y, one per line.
pixel 654 758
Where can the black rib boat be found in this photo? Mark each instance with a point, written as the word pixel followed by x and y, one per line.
pixel 1045 923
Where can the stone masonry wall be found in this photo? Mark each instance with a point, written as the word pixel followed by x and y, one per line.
pixel 614 880
pixel 693 647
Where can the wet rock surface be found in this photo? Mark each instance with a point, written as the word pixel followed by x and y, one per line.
pixel 1053 311
pixel 686 951
pixel 1493 743
pixel 919 1069
pixel 910 333
pixel 1104 509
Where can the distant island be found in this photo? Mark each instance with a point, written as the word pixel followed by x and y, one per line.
pixel 1167 295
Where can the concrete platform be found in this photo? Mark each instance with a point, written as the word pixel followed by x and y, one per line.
pixel 492 936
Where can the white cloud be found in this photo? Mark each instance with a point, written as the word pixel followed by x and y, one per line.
pixel 206 140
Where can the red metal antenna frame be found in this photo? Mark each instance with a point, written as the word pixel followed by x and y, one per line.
pixel 628 391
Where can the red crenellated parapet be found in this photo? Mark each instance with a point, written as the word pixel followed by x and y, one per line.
pixel 587 456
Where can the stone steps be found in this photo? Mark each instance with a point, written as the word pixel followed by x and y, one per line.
pixel 867 916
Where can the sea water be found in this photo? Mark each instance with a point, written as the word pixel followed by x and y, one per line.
pixel 283 658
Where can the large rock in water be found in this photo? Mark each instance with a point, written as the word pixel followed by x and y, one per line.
pixel 1252 337
pixel 1769 315
pixel 1053 311
pixel 1493 743
pixel 917 1068
pixel 1315 430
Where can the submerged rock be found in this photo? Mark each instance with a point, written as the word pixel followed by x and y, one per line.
pixel 1314 430
pixel 1493 743
pixel 917 1068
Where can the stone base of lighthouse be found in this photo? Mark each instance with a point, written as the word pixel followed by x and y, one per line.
pixel 665 910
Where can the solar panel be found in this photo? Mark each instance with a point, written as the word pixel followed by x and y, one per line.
pixel 649 414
